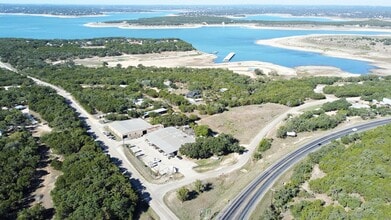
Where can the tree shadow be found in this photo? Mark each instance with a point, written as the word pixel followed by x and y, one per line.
pixel 208 187
pixel 192 195
pixel 144 197
pixel 116 161
pixel 49 213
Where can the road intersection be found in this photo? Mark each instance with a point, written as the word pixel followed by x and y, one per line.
pixel 154 193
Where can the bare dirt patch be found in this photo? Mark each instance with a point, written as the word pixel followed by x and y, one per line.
pixel 48 175
pixel 164 59
pixel 317 173
pixel 250 119
pixel 42 194
pixel 191 59
pixel 374 49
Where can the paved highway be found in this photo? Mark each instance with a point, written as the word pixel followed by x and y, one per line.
pixel 157 192
pixel 244 204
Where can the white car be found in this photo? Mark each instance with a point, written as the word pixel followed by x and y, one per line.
pixel 354 129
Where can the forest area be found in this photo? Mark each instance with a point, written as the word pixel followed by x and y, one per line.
pixel 90 184
pixel 321 119
pixel 355 167
pixel 200 19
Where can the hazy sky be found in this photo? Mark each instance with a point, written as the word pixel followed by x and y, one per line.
pixel 209 2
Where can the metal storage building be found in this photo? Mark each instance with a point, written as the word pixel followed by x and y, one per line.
pixel 133 128
pixel 169 139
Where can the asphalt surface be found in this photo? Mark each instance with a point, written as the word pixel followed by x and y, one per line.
pixel 154 193
pixel 244 204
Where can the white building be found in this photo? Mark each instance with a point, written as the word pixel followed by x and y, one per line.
pixel 133 128
pixel 387 101
pixel 169 139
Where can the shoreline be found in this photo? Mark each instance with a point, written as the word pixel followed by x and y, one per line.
pixel 296 43
pixel 200 60
pixel 295 16
pixel 278 42
pixel 124 25
pixel 54 16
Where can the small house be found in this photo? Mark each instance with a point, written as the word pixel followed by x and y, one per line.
pixel 195 94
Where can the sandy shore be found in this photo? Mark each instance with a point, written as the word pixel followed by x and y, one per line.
pixel 191 59
pixel 196 59
pixel 124 25
pixel 295 43
pixel 55 16
pixel 378 59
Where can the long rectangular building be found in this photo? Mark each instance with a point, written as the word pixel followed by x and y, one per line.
pixel 169 139
pixel 133 128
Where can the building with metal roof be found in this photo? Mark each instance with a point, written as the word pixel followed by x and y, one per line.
pixel 169 139
pixel 133 128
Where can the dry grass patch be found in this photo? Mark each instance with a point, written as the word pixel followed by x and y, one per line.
pixel 207 204
pixel 250 119
pixel 204 165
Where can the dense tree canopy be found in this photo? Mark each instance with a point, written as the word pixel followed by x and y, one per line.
pixel 8 78
pixel 370 88
pixel 91 186
pixel 205 147
pixel 358 176
pixel 23 53
pixel 19 158
pixel 319 119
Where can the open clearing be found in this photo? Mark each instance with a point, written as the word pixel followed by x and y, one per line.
pixel 244 122
pixel 49 174
pixel 227 186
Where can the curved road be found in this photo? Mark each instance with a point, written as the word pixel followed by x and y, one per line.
pixel 157 192
pixel 244 204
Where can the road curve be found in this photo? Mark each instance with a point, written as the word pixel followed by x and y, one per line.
pixel 243 205
pixel 114 151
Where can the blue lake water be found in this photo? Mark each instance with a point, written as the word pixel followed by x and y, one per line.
pixel 207 39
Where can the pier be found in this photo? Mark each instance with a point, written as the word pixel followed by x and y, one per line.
pixel 229 57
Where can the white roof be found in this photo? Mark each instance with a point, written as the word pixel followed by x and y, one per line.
pixel 387 101
pixel 127 126
pixel 169 139
pixel 358 105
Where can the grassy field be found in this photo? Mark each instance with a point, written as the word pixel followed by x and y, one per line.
pixel 247 118
pixel 226 187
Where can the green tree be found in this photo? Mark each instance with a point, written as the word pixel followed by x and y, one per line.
pixel 198 186
pixel 183 194
pixel 202 131
pixel 34 213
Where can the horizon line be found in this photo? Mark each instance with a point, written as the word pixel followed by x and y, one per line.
pixel 251 4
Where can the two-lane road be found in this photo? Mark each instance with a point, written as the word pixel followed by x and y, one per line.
pixel 244 204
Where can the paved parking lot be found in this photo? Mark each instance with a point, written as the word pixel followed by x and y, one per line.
pixel 158 161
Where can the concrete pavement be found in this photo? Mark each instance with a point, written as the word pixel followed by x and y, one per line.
pixel 157 192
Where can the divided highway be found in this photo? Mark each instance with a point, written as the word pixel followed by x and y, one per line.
pixel 243 205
